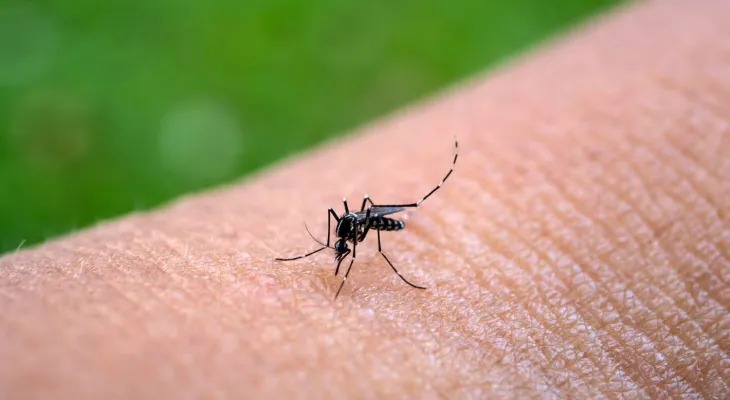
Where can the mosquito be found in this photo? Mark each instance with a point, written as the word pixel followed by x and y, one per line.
pixel 354 226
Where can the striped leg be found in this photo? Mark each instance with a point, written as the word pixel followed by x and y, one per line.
pixel 365 200
pixel 418 203
pixel 367 225
pixel 352 260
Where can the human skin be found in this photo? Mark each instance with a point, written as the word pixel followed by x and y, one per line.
pixel 580 249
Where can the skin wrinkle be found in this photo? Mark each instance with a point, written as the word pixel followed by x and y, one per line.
pixel 533 342
pixel 654 308
pixel 690 340
pixel 573 312
pixel 440 318
pixel 710 107
pixel 606 295
pixel 435 331
pixel 538 285
pixel 540 292
pixel 395 362
pixel 481 360
pixel 677 152
pixel 413 372
pixel 657 232
pixel 685 309
pixel 566 285
pixel 719 302
pixel 555 352
pixel 687 179
pixel 654 230
pixel 684 339
pixel 675 332
pixel 708 239
pixel 427 234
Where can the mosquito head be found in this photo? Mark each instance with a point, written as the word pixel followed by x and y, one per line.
pixel 341 250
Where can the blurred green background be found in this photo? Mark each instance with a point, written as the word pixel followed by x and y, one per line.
pixel 117 105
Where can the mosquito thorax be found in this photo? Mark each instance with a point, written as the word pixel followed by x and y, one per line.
pixel 346 225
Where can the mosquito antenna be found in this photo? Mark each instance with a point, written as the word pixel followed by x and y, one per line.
pixel 314 238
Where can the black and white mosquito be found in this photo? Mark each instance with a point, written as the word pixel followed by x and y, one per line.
pixel 353 227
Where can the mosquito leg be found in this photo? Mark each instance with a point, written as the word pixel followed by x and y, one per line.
pixel 302 256
pixel 352 260
pixel 347 209
pixel 418 203
pixel 366 199
pixel 329 219
pixel 380 250
pixel 337 270
pixel 367 225
pixel 330 214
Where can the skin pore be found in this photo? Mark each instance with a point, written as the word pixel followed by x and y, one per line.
pixel 580 248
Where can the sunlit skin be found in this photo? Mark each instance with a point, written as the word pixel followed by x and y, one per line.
pixel 581 251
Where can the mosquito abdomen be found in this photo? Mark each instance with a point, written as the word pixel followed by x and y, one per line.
pixel 386 224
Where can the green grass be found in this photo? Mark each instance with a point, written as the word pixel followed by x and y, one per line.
pixel 119 105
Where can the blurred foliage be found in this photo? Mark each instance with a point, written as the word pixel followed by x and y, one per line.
pixel 119 105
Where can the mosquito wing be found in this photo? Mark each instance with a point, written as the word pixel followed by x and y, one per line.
pixel 376 211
